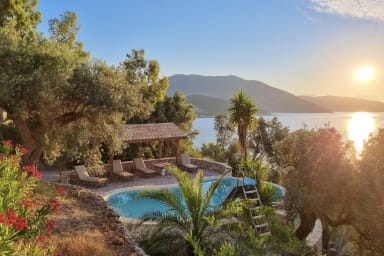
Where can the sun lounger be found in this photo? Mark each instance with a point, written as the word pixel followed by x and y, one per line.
pixel 88 180
pixel 142 168
pixel 186 163
pixel 119 172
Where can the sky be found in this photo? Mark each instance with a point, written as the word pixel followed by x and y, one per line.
pixel 305 47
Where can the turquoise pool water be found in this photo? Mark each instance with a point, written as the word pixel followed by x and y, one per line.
pixel 127 205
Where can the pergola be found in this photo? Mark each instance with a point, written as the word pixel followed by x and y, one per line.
pixel 137 133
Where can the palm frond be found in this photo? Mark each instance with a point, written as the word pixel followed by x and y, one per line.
pixel 189 214
pixel 184 180
pixel 168 198
pixel 190 190
pixel 194 200
pixel 164 241
pixel 166 220
pixel 210 192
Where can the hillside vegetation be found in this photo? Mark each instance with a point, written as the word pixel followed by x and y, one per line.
pixel 211 94
pixel 208 106
pixel 267 98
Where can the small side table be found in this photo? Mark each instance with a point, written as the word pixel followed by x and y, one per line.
pixel 162 167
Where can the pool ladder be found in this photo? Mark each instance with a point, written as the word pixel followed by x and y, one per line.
pixel 254 205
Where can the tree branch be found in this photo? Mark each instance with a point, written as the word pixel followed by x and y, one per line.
pixel 342 220
pixel 68 118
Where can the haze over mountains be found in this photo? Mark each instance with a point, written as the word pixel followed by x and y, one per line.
pixel 346 104
pixel 211 94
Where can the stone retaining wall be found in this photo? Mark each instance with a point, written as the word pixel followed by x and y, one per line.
pixel 207 164
pixel 69 177
pixel 204 164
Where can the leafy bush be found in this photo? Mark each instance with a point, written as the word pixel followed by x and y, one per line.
pixel 24 227
pixel 259 171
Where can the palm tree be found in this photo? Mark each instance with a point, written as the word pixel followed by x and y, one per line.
pixel 185 228
pixel 242 113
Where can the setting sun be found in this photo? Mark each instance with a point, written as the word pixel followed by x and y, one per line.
pixel 360 126
pixel 364 73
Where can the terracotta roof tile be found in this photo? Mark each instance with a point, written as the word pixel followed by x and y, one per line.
pixel 150 132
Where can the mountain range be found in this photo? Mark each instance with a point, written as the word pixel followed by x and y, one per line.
pixel 211 96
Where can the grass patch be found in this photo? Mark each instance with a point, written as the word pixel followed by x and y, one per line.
pixel 84 225
pixel 82 245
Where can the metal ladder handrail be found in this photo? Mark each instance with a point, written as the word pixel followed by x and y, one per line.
pixel 257 219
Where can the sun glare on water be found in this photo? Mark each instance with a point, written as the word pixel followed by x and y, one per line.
pixel 364 73
pixel 359 127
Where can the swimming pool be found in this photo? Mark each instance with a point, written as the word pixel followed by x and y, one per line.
pixel 127 205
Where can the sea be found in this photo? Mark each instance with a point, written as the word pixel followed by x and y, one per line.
pixel 355 126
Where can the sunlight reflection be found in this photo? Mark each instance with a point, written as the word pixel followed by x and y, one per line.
pixel 359 127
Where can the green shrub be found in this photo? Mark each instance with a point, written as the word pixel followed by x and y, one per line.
pixel 24 227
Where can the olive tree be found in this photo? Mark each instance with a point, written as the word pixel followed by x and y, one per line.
pixel 370 223
pixel 23 12
pixel 320 178
pixel 47 85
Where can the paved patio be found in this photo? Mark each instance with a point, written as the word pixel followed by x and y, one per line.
pixel 51 175
pixel 144 182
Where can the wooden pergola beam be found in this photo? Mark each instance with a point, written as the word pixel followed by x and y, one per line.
pixel 177 144
pixel 160 149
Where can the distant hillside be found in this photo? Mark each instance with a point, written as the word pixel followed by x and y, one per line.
pixel 208 106
pixel 346 104
pixel 266 97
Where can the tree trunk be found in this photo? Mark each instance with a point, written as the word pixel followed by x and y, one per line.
pixel 30 140
pixel 306 225
pixel 242 136
pixel 326 235
pixel 110 161
pixel 245 143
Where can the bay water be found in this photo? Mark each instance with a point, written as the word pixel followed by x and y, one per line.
pixel 355 126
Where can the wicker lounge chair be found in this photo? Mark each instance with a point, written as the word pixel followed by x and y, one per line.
pixel 186 163
pixel 142 168
pixel 88 180
pixel 119 172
